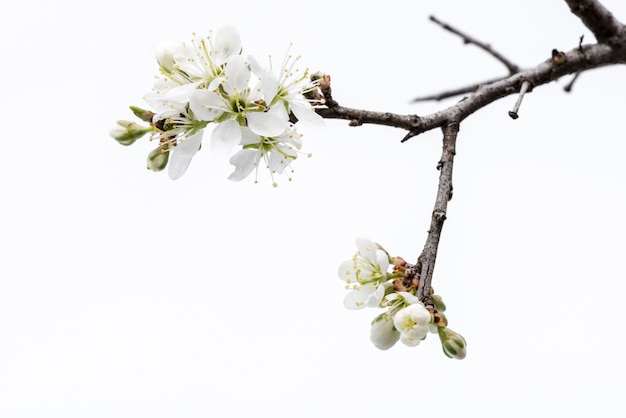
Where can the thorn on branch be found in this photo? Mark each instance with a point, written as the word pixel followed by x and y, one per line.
pixel 570 85
pixel 409 135
pixel 526 85
pixel 580 43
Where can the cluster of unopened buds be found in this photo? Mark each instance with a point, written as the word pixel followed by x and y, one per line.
pixel 377 280
pixel 251 107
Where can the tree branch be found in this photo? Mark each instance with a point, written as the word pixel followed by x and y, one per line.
pixel 599 20
pixel 455 92
pixel 426 261
pixel 582 58
pixel 486 47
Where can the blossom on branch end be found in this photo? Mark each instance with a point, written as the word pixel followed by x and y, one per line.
pixel 211 83
pixel 407 318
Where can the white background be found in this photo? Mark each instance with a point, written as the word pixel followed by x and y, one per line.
pixel 125 294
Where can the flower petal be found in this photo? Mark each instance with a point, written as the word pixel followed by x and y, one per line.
pixel 226 44
pixel 346 271
pixel 206 105
pixel 225 136
pixel 271 123
pixel 305 113
pixel 190 145
pixel 237 73
pixel 244 161
pixel 181 155
pixel 383 334
pixel 367 249
pixel 356 299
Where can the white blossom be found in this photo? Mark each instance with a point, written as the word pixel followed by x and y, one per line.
pixel 414 322
pixel 383 333
pixel 365 274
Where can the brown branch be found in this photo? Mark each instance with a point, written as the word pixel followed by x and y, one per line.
pixel 580 59
pixel 486 47
pixel 599 20
pixel 426 261
pixel 455 92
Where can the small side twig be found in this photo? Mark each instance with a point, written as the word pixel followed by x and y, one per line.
pixel 455 92
pixel 570 85
pixel 526 85
pixel 487 48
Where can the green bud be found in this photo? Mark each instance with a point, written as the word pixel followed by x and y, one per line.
pixel 126 133
pixel 144 115
pixel 158 157
pixel 439 305
pixel 453 344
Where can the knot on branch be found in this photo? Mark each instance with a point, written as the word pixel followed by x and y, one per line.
pixel 439 215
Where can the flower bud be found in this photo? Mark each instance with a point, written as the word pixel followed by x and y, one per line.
pixel 383 334
pixel 453 344
pixel 144 115
pixel 165 55
pixel 439 305
pixel 158 157
pixel 126 132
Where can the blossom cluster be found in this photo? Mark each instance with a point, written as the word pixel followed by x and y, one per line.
pixel 376 280
pixel 250 107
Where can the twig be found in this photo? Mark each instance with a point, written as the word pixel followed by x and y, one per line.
pixel 455 92
pixel 487 48
pixel 570 85
pixel 576 60
pixel 426 260
pixel 526 85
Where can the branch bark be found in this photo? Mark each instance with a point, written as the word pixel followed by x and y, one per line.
pixel 610 49
pixel 426 261
pixel 598 19
pixel 513 68
pixel 582 58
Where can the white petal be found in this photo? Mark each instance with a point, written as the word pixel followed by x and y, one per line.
pixel 346 271
pixel 355 299
pixel 269 86
pixel 226 43
pixel 305 113
pixel 383 335
pixel 271 123
pixel 367 249
pixel 237 73
pixel 411 342
pixel 244 161
pixel 177 165
pixel 225 136
pixel 374 298
pixel 382 260
pixel 278 161
pixel 166 53
pixel 256 68
pixel 190 145
pixel 206 105
pixel 248 137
